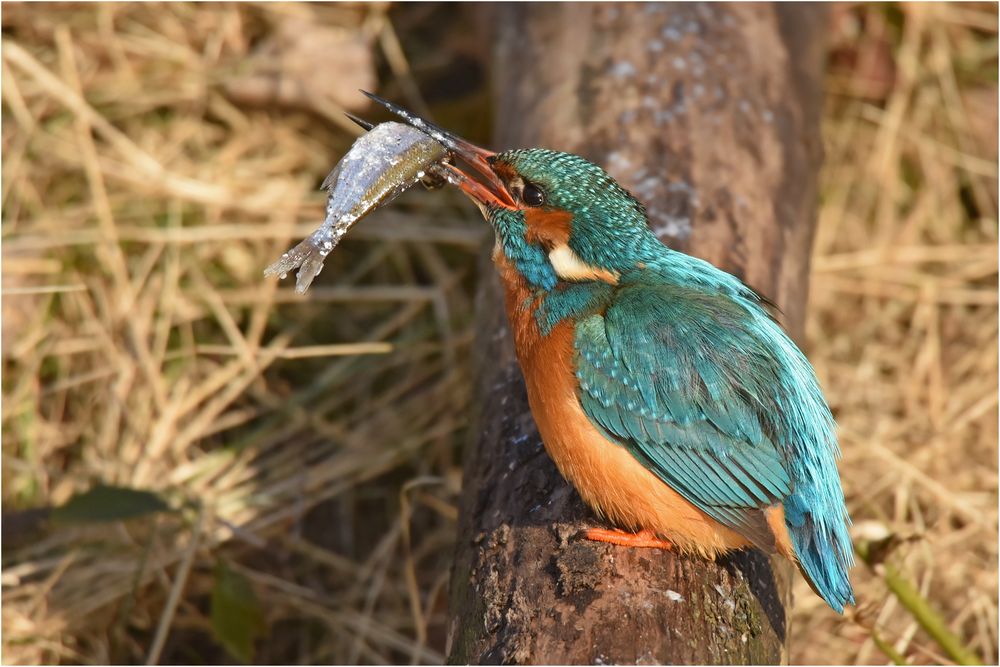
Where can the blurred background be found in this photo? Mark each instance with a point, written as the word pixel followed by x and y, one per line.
pixel 200 466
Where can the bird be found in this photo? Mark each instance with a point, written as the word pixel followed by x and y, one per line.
pixel 664 388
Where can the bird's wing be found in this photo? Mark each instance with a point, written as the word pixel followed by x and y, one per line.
pixel 678 378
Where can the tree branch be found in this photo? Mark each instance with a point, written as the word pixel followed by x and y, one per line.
pixel 709 114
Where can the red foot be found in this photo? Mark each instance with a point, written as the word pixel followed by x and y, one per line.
pixel 644 538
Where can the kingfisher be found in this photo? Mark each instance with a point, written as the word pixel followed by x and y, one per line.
pixel 663 388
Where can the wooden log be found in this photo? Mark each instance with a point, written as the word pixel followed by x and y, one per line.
pixel 709 114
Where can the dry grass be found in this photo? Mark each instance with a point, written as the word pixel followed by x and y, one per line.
pixel 142 347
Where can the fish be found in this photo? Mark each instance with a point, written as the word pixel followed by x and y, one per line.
pixel 381 164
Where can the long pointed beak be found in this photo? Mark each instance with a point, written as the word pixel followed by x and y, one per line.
pixel 492 192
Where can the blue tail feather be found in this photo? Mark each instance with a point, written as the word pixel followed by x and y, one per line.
pixel 824 552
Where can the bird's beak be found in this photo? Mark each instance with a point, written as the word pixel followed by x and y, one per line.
pixel 492 192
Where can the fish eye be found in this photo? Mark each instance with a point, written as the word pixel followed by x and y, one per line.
pixel 532 195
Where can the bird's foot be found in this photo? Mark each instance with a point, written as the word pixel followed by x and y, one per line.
pixel 644 538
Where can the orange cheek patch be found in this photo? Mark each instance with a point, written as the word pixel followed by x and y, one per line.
pixel 550 228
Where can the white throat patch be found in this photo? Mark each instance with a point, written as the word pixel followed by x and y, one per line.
pixel 569 266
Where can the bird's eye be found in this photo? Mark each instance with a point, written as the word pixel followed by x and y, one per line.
pixel 532 195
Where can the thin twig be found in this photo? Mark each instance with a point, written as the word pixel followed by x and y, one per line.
pixel 180 579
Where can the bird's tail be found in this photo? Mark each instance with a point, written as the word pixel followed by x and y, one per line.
pixel 824 552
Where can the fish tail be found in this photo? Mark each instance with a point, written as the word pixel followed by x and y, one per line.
pixel 307 257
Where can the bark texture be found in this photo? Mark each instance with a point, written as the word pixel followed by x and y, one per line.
pixel 709 114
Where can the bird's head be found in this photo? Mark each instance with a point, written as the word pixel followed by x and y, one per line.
pixel 557 216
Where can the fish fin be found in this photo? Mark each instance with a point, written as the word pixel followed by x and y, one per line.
pixel 307 257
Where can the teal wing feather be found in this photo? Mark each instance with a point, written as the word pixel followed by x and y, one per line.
pixel 675 375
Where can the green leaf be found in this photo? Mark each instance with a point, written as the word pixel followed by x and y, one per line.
pixel 237 618
pixel 108 503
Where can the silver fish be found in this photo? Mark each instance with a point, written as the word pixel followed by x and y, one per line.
pixel 380 166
